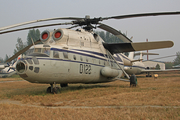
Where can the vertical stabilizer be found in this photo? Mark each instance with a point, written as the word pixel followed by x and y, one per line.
pixel 141 55
pixel 131 55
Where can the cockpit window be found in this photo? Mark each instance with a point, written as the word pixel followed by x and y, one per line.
pixel 46 51
pixel 30 51
pixel 39 50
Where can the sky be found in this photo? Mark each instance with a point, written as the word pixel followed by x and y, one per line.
pixel 157 28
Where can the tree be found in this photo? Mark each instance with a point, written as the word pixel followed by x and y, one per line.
pixel 177 59
pixel 6 58
pixel 168 65
pixel 33 35
pixel 157 67
pixel 19 46
pixel 1 60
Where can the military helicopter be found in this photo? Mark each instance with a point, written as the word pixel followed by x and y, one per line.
pixel 78 56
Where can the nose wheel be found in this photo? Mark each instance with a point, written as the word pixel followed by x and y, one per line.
pixel 52 89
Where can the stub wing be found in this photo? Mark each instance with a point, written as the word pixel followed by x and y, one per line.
pixel 129 47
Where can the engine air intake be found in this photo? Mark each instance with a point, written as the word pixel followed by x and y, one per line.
pixel 45 36
pixel 57 34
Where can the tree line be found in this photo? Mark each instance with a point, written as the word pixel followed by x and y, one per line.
pixel 33 35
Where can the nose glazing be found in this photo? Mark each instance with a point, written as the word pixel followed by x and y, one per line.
pixel 21 67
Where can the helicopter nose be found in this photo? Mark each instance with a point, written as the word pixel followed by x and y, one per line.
pixel 21 67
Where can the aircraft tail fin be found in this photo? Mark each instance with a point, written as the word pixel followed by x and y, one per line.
pixel 131 55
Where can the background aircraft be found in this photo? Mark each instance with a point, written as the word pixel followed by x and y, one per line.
pixel 138 67
pixel 8 69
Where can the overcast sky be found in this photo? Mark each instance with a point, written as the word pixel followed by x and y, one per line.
pixel 152 28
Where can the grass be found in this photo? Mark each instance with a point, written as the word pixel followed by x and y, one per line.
pixel 161 92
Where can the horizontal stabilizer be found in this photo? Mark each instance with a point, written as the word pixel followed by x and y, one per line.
pixel 136 60
pixel 129 47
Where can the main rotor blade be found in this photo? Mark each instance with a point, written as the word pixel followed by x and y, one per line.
pixel 73 27
pixel 21 51
pixel 41 20
pixel 141 15
pixel 35 27
pixel 139 46
pixel 114 32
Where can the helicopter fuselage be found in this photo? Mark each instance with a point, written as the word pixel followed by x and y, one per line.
pixel 77 57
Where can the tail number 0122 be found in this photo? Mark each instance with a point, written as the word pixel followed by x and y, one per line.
pixel 85 69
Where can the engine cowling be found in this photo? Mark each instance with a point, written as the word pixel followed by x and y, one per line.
pixel 108 72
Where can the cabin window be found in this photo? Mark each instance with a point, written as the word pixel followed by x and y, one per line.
pixel 111 64
pixel 31 67
pixel 55 54
pixel 36 69
pixel 93 60
pixel 74 56
pixel 81 58
pixel 65 54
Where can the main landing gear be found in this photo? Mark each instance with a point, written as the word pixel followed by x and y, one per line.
pixel 133 80
pixel 55 89
pixel 52 89
pixel 148 75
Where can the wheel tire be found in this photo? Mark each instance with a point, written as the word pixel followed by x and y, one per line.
pixel 48 90
pixel 56 90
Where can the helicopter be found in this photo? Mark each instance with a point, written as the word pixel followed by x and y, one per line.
pixel 78 56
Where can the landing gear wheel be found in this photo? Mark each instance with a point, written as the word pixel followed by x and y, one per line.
pixel 48 90
pixel 56 90
pixel 52 89
pixel 133 80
